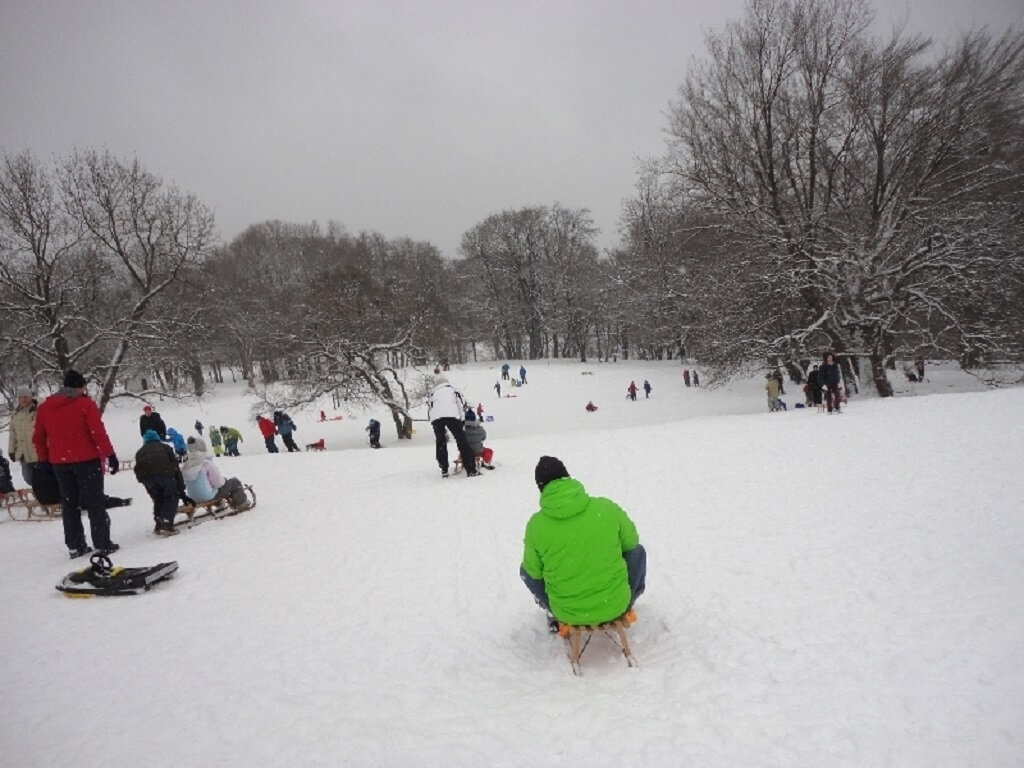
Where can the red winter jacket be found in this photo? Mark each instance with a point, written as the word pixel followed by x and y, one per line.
pixel 267 428
pixel 69 429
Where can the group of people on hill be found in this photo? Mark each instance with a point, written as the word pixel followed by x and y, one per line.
pixel 824 387
pixel 224 439
pixel 631 390
pixel 691 377
pixel 582 560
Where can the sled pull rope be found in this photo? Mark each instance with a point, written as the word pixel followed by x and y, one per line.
pixel 101 565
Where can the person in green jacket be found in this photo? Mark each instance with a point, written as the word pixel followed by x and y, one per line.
pixel 582 557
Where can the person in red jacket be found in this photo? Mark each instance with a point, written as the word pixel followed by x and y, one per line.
pixel 69 435
pixel 268 430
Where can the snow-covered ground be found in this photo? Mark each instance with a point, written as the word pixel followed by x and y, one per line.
pixel 822 591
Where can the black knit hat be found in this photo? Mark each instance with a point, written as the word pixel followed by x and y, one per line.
pixel 548 468
pixel 74 379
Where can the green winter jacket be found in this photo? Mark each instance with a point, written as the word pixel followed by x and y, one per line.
pixel 575 544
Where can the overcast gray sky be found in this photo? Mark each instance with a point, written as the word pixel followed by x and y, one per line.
pixel 413 119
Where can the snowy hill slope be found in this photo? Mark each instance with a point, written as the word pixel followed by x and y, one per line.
pixel 827 591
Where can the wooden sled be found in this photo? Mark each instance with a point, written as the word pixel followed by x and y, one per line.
pixel 22 505
pixel 578 638
pixel 457 467
pixel 213 508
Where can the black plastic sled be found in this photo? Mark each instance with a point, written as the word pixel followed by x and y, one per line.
pixel 107 580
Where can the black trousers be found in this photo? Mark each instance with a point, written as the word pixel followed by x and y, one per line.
pixel 454 426
pixel 163 490
pixel 81 487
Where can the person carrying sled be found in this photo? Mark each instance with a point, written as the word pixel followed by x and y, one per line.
pixel 23 422
pixel 373 428
pixel 69 434
pixel 216 441
pixel 150 419
pixel 232 437
pixel 582 557
pixel 475 436
pixel 285 427
pixel 157 468
pixel 204 481
pixel 445 411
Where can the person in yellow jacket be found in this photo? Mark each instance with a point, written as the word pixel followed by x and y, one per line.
pixel 23 422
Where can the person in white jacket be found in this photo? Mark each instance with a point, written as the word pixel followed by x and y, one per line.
pixel 445 410
pixel 203 481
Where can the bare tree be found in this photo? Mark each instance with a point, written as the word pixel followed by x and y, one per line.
pixel 854 177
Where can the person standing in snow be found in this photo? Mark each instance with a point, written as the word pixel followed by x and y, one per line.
pixel 216 441
pixel 198 427
pixel 156 467
pixel 69 434
pixel 771 385
pixel 232 437
pixel 831 377
pixel 686 377
pixel 285 427
pixel 504 371
pixel 631 391
pixel 23 423
pixel 150 419
pixel 497 388
pixel 647 388
pixel 373 428
pixel 268 430
pixel 582 557
pixel 696 379
pixel 522 374
pixel 445 410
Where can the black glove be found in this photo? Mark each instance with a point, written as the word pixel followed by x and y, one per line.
pixel 187 500
pixel 113 463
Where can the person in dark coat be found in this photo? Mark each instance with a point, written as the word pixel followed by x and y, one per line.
pixel 46 490
pixel 6 485
pixel 199 427
pixel 686 377
pixel 150 419
pixel 830 376
pixel 647 388
pixel 69 434
pixel 285 427
pixel 374 429
pixel 156 467
pixel 813 387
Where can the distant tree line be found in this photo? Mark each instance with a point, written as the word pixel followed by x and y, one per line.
pixel 823 189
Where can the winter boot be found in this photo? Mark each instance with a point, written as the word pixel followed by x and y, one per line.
pixel 85 549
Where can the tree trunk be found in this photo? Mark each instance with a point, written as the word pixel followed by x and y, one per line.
pixel 879 376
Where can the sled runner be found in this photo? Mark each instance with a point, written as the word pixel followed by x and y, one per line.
pixel 577 644
pixel 105 579
pixel 213 509
pixel 23 505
